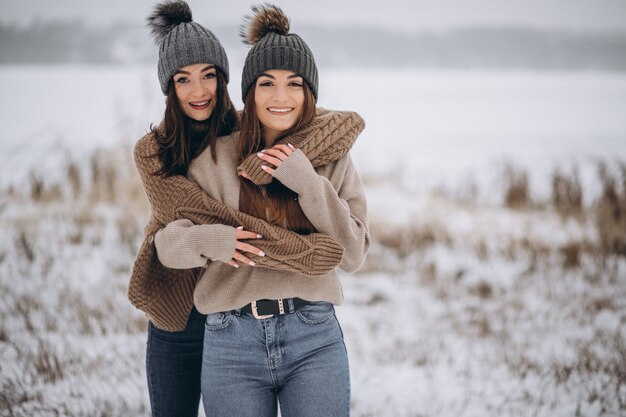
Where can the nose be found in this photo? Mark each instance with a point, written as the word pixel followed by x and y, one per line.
pixel 280 93
pixel 198 89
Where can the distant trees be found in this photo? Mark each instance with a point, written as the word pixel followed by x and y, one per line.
pixel 475 47
pixel 69 41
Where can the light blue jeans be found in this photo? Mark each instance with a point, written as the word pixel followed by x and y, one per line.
pixel 298 360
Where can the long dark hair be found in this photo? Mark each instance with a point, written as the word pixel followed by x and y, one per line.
pixel 177 148
pixel 274 202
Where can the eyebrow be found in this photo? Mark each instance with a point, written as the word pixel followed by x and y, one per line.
pixel 265 74
pixel 208 67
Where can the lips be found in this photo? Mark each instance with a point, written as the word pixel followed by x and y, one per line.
pixel 279 111
pixel 200 105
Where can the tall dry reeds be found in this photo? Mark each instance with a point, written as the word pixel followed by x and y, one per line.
pixel 610 210
pixel 517 190
pixel 567 193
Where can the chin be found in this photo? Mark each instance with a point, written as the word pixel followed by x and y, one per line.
pixel 202 118
pixel 284 126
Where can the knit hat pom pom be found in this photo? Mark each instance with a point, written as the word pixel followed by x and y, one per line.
pixel 267 18
pixel 166 16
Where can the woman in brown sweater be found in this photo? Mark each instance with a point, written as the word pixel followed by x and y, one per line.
pixel 193 73
pixel 271 336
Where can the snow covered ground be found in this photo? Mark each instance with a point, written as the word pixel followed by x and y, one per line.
pixel 467 306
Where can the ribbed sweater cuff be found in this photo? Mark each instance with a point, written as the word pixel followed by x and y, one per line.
pixel 185 245
pixel 252 166
pixel 296 172
pixel 218 242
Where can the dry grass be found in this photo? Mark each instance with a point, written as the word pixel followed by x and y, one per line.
pixel 407 240
pixel 571 254
pixel 517 190
pixel 606 356
pixel 101 209
pixel 610 210
pixel 59 237
pixel 567 193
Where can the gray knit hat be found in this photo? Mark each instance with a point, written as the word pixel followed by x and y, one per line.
pixel 273 47
pixel 183 42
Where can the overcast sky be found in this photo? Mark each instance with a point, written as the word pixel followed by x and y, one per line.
pixel 405 15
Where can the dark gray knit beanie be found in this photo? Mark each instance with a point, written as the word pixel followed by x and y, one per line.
pixel 183 42
pixel 273 47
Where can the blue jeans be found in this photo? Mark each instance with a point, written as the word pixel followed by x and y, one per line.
pixel 298 360
pixel 173 365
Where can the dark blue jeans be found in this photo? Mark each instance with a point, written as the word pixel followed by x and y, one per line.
pixel 173 366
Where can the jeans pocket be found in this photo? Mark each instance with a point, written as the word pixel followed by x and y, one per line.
pixel 316 313
pixel 218 321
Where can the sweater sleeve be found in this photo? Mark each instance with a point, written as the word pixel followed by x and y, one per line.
pixel 176 197
pixel 165 194
pixel 335 205
pixel 328 137
pixel 183 245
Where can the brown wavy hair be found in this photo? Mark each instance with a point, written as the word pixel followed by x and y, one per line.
pixel 177 148
pixel 274 202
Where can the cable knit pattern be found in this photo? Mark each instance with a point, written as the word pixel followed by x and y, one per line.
pixel 314 255
pixel 332 198
pixel 166 295
pixel 327 138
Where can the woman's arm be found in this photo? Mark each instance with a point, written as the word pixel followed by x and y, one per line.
pixel 176 197
pixel 328 137
pixel 335 205
pixel 183 245
pixel 165 194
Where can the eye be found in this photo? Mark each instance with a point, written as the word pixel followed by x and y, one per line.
pixel 265 83
pixel 210 75
pixel 297 84
pixel 181 80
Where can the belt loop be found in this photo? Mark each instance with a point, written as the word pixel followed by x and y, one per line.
pixel 237 312
pixel 291 306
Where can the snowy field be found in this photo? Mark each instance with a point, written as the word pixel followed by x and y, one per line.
pixel 496 283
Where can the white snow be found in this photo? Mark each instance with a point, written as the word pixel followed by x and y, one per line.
pixel 464 307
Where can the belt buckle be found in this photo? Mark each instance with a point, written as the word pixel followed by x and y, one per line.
pixel 255 312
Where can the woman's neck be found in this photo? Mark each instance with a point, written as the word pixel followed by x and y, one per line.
pixel 269 137
pixel 197 125
pixel 197 129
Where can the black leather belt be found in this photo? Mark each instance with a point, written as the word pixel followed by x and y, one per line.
pixel 263 309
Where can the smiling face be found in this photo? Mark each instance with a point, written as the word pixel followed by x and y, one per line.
pixel 278 100
pixel 196 87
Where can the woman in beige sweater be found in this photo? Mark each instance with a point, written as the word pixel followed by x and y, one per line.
pixel 271 336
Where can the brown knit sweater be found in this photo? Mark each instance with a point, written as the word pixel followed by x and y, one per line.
pixel 331 197
pixel 326 139
pixel 166 295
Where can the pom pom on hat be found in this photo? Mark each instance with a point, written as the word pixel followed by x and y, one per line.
pixel 267 18
pixel 167 16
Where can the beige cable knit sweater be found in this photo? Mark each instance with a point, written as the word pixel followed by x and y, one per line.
pixel 166 294
pixel 331 197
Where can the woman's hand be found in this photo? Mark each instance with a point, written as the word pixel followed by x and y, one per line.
pixel 242 247
pixel 275 156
